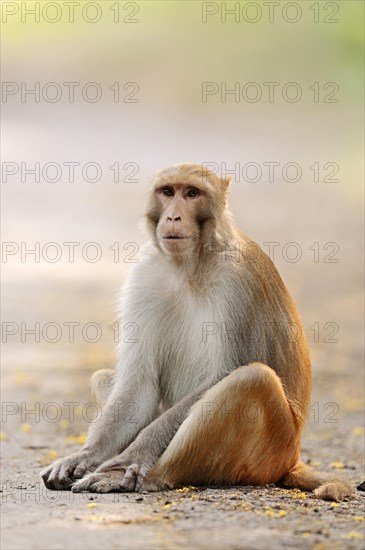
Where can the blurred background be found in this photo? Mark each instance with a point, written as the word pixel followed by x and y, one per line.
pixel 118 93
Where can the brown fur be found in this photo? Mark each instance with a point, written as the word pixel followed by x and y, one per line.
pixel 250 438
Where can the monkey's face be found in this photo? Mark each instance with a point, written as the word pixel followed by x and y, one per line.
pixel 185 197
pixel 178 228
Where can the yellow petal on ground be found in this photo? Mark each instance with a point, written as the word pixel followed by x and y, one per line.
pixel 296 493
pixel 273 514
pixel 315 463
pixel 81 439
pixel 358 431
pixel 334 505
pixel 186 489
pixel 337 465
pixel 64 424
pixel 91 505
pixel 168 505
pixel 354 535
pixel 4 436
pixel 25 427
pixel 359 518
pixel 70 438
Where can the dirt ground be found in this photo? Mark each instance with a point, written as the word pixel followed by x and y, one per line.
pixel 234 517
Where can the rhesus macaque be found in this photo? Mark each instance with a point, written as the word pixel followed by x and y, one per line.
pixel 219 374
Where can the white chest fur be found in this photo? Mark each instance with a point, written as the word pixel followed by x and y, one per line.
pixel 178 332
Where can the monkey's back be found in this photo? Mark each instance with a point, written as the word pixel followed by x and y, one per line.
pixel 275 334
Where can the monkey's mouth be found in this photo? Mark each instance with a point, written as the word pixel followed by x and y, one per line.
pixel 176 237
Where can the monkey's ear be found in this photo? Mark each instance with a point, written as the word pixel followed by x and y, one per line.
pixel 226 182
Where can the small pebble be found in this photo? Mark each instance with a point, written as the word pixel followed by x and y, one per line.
pixel 361 487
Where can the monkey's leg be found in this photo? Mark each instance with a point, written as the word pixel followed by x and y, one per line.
pixel 241 431
pixel 102 382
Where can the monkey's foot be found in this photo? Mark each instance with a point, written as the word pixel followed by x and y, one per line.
pixel 107 482
pixel 117 481
pixel 127 479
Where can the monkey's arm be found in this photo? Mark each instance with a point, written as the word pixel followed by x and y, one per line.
pixel 130 407
pixel 138 459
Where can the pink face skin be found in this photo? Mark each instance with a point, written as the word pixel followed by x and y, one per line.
pixel 177 229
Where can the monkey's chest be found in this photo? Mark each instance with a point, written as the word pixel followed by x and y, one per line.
pixel 187 346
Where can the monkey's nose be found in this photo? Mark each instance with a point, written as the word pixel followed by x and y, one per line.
pixel 175 218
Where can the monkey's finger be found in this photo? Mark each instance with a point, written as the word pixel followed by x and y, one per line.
pixel 67 470
pixel 131 471
pixel 50 483
pixel 46 472
pixel 130 477
pixel 85 483
pixel 50 470
pixel 139 482
pixel 79 471
pixel 45 476
pixel 63 484
pixel 78 488
pixel 54 482
pixel 141 476
pixel 61 475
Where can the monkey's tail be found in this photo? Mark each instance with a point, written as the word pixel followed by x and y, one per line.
pixel 325 486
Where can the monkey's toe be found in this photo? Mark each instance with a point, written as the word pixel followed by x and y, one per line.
pixel 130 478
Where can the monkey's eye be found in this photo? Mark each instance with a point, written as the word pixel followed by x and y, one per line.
pixel 167 191
pixel 193 192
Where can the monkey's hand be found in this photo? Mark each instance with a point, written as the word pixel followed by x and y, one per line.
pixel 125 473
pixel 62 473
pixel 128 471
